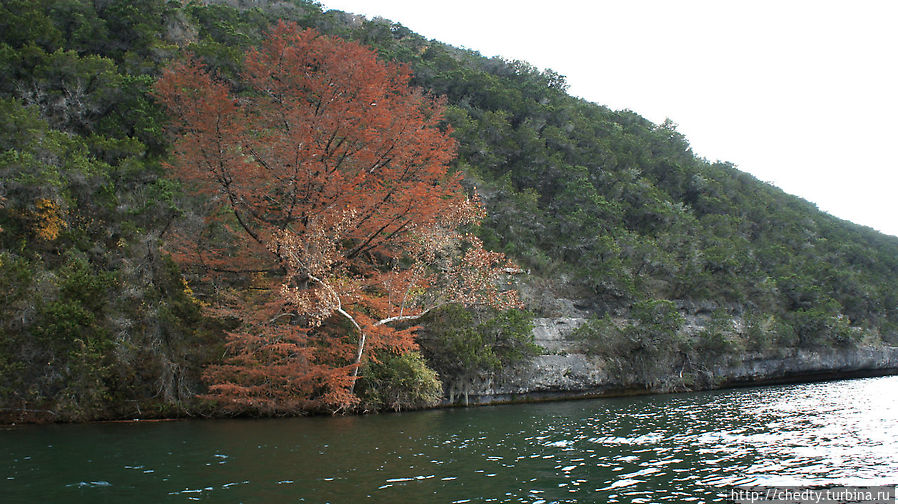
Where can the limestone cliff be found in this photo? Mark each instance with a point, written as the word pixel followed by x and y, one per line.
pixel 565 371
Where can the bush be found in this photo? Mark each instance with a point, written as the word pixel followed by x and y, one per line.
pixel 601 336
pixel 821 325
pixel 462 345
pixel 759 331
pixel 658 316
pixel 643 352
pixel 399 382
pixel 719 336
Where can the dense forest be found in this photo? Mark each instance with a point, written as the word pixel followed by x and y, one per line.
pixel 602 212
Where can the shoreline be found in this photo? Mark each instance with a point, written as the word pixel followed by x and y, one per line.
pixel 617 392
pixel 607 391
pixel 575 375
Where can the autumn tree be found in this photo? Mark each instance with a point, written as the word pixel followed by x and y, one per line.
pixel 333 220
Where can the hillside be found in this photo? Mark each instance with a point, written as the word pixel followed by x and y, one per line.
pixel 612 216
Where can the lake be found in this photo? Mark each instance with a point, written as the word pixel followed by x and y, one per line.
pixel 660 448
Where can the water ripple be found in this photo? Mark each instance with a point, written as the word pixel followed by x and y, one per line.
pixel 669 448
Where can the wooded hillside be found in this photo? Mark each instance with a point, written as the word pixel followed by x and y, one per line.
pixel 99 319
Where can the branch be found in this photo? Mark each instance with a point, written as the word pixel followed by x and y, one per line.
pixel 341 311
pixel 282 315
pixel 390 320
pixel 225 180
pixel 259 159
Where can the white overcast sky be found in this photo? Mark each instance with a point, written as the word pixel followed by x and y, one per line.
pixel 802 94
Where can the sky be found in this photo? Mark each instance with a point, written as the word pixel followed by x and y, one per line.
pixel 801 94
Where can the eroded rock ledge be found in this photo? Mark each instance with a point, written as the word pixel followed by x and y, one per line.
pixel 564 371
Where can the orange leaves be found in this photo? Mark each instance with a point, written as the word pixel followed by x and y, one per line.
pixel 47 219
pixel 329 173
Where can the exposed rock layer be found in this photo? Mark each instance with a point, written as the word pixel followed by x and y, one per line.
pixel 564 371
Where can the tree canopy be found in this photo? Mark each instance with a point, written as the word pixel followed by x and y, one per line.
pixel 327 177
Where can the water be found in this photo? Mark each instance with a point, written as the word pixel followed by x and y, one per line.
pixel 667 448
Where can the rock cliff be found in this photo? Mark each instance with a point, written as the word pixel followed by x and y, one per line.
pixel 565 371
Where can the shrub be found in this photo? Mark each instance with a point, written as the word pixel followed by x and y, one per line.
pixel 399 382
pixel 719 337
pixel 643 352
pixel 462 345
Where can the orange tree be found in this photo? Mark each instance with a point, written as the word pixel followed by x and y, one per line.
pixel 332 221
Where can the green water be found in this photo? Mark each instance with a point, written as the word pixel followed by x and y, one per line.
pixel 669 448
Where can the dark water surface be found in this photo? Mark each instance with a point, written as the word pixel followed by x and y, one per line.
pixel 667 448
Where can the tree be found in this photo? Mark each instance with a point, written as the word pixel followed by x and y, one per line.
pixel 332 214
pixel 465 345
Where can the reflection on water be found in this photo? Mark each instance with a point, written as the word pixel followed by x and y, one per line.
pixel 671 448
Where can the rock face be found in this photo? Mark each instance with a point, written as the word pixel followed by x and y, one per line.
pixel 811 364
pixel 564 371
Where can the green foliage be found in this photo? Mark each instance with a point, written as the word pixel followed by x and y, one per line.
pixel 609 208
pixel 657 316
pixel 461 344
pixel 86 329
pixel 27 22
pixel 640 352
pixel 16 277
pixel 61 353
pixel 399 382
pixel 719 335
pixel 821 325
pixel 760 332
pixel 602 336
pixel 623 210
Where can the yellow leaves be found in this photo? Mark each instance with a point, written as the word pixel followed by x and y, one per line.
pixel 416 293
pixel 189 293
pixel 186 288
pixel 47 219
